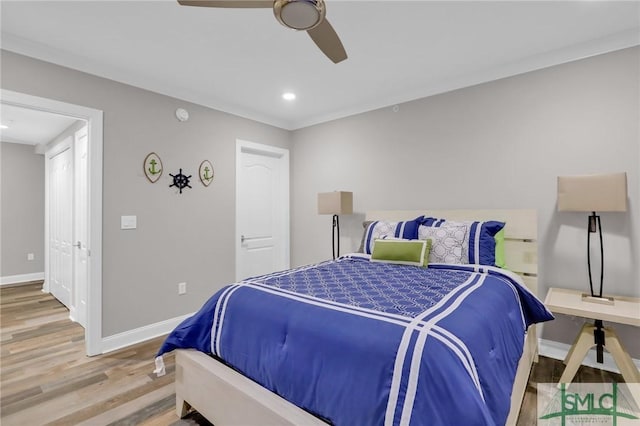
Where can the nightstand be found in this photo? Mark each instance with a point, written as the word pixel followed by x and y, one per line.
pixel 623 310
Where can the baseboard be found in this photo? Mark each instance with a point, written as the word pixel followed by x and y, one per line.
pixel 22 278
pixel 557 350
pixel 139 335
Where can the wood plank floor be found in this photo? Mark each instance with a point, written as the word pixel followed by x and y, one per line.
pixel 45 378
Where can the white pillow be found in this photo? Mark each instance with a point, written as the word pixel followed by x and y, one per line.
pixel 446 242
pixel 379 230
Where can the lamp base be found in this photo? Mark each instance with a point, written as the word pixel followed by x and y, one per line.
pixel 604 300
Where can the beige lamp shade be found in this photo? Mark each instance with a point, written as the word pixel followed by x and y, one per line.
pixel 337 202
pixel 593 193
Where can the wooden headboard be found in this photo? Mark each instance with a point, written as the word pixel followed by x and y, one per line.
pixel 521 234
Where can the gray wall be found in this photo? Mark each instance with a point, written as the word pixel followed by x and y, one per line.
pixel 496 145
pixel 23 195
pixel 22 209
pixel 186 237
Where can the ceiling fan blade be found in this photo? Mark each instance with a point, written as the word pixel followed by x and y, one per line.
pixel 246 4
pixel 326 38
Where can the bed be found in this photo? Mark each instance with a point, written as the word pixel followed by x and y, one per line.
pixel 418 353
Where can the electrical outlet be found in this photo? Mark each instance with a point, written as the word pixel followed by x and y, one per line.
pixel 182 288
pixel 30 256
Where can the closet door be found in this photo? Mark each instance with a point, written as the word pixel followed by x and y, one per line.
pixel 61 224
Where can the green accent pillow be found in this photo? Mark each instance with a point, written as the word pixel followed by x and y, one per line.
pixel 499 237
pixel 403 252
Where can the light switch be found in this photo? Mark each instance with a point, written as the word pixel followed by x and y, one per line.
pixel 128 222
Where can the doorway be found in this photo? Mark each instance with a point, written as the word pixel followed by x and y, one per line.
pixel 79 242
pixel 262 209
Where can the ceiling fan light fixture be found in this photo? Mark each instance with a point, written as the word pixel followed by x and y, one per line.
pixel 299 14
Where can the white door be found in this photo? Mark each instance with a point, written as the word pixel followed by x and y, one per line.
pixel 60 223
pixel 262 209
pixel 81 226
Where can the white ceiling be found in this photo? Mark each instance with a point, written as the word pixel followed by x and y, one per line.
pixel 242 60
pixel 31 127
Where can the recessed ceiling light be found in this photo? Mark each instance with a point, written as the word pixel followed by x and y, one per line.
pixel 288 96
pixel 2 126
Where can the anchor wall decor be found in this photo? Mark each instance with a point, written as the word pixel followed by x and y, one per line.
pixel 206 172
pixel 152 167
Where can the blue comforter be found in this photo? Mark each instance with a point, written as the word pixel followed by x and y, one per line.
pixel 363 343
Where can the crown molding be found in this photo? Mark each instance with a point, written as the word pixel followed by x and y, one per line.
pixel 543 60
pixel 22 46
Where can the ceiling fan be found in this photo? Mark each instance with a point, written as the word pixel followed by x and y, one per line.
pixel 301 15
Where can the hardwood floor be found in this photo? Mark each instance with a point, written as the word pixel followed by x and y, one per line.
pixel 45 378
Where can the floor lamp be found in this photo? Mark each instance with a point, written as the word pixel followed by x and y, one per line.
pixel 335 203
pixel 594 193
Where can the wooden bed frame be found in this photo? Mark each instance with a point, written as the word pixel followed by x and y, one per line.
pixel 225 397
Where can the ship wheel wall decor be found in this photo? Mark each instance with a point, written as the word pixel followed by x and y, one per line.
pixel 180 181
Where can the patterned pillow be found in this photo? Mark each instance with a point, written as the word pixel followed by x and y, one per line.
pixel 479 247
pixel 365 225
pixel 446 242
pixel 381 229
pixel 480 244
pixel 403 252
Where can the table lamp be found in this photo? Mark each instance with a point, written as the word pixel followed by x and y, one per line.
pixel 593 193
pixel 335 203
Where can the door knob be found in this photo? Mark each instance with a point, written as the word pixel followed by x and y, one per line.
pixel 78 244
pixel 242 238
